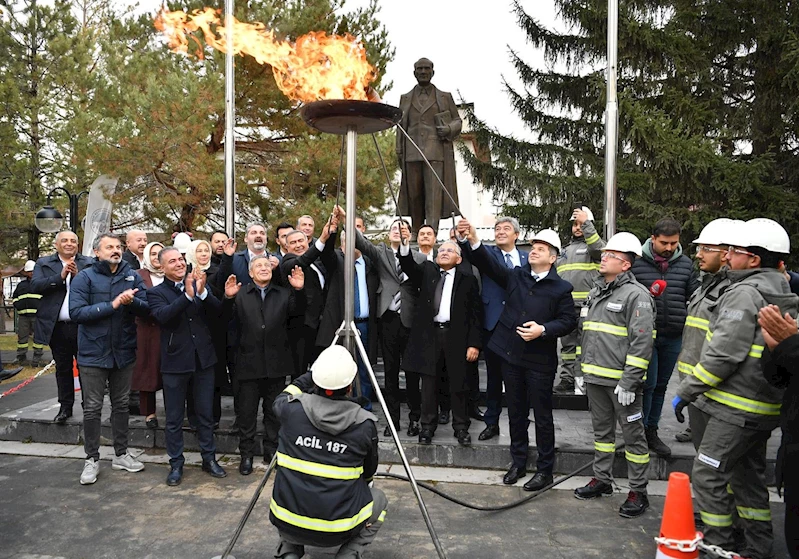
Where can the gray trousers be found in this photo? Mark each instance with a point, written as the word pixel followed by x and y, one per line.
pixel 605 412
pixel 25 325
pixel 352 549
pixel 93 381
pixel 729 469
pixel 568 355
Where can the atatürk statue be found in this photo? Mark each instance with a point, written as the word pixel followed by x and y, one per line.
pixel 431 118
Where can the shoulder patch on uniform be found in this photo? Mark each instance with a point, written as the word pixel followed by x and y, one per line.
pixel 614 307
pixel 644 305
pixel 581 251
pixel 732 314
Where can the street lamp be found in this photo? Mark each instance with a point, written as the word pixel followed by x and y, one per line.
pixel 50 220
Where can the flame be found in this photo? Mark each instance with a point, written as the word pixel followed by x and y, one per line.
pixel 315 67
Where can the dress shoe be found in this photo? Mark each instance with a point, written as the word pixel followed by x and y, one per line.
pixel 476 413
pixel 463 436
pixel 425 436
pixel 565 386
pixel 213 468
pixel 151 423
pixel 593 489
pixel 489 432
pixel 538 482
pixel 63 415
pixel 443 417
pixel 635 505
pixel 514 475
pixel 8 373
pixel 245 467
pixel 413 428
pixel 175 477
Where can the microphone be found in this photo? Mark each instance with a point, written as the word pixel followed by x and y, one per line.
pixel 657 288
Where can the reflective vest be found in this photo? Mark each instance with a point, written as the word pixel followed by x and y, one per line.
pixel 579 262
pixel 25 301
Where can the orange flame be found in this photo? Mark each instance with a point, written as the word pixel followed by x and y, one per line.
pixel 314 67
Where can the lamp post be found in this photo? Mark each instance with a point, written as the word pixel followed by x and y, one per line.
pixel 50 220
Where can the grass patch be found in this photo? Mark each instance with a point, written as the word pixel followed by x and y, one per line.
pixel 8 342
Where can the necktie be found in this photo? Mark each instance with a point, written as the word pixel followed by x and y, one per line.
pixel 535 278
pixel 438 292
pixel 263 294
pixel 357 294
pixel 508 261
pixel 180 286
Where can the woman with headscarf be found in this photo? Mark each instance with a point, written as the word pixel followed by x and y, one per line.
pixel 147 372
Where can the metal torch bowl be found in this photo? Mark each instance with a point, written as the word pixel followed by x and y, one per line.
pixel 338 116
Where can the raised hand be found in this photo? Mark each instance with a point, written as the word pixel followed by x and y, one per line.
pixel 297 278
pixel 188 285
pixel 405 233
pixel 230 246
pixel 199 281
pixel 232 287
pixel 274 261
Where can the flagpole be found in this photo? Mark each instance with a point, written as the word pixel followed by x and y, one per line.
pixel 230 118
pixel 611 119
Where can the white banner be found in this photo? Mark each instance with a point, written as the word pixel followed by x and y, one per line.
pixel 98 211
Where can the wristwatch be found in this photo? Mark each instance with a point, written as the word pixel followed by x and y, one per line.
pixel 543 330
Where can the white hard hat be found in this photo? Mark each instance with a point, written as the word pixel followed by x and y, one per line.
pixel 29 266
pixel 182 242
pixel 549 237
pixel 586 210
pixel 717 232
pixel 624 242
pixel 766 233
pixel 334 368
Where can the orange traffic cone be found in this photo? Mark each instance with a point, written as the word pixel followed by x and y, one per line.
pixel 75 375
pixel 678 518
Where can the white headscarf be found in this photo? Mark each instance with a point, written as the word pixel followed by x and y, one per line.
pixel 148 264
pixel 191 255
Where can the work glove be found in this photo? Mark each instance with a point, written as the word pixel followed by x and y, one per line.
pixel 579 385
pixel 625 396
pixel 679 404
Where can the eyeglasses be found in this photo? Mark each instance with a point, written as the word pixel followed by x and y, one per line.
pixel 740 251
pixel 613 255
pixel 707 249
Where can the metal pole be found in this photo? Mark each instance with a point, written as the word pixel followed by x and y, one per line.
pixel 73 212
pixel 349 247
pixel 230 118
pixel 611 119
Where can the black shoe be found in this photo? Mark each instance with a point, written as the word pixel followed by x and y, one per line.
pixel 635 505
pixel 63 414
pixel 214 469
pixel 655 444
pixel 6 374
pixel 594 489
pixel 539 481
pixel 443 417
pixel 20 362
pixel 245 467
pixel 175 477
pixel 413 428
pixel 684 436
pixel 425 436
pixel 387 431
pixel 565 386
pixel 463 436
pixel 514 475
pixel 489 432
pixel 268 455
pixel 151 423
pixel 36 363
pixel 476 413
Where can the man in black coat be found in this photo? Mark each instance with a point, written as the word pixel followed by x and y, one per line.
pixel 135 242
pixel 185 309
pixel 263 353
pixel 52 277
pixel 445 334
pixel 538 310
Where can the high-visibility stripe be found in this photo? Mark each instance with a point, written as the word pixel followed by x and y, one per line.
pixel 709 335
pixel 579 294
pixel 729 489
pixel 592 239
pixel 27 311
pixel 579 350
pixel 717 520
pixel 685 368
pixel 317 469
pixel 654 334
pixel 293 390
pixel 22 346
pixel 568 356
pixel 28 296
pixel 581 266
pixel 706 376
pixel 382 517
pixel 38 346
pixel 762 515
pixel 601 371
pixel 319 524
pixel 605 328
pixel 756 351
pixel 744 404
pixel 634 361
pixel 604 447
pixel 696 322
pixel 636 458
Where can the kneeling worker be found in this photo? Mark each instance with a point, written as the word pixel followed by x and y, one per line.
pixel 326 456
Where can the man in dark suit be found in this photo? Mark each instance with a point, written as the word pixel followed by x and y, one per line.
pixel 238 263
pixel 218 240
pixel 445 334
pixel 367 280
pixel 185 310
pixel 263 352
pixel 283 228
pixel 52 277
pixel 395 310
pixel 506 232
pixel 135 242
pixel 538 310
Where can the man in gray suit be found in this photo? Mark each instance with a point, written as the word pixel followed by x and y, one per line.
pixel 396 304
pixel 431 119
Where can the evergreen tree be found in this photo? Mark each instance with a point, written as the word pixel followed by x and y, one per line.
pixel 707 115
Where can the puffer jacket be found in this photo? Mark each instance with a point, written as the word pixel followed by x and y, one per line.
pixel 681 281
pixel 728 381
pixel 579 262
pixel 697 323
pixel 616 333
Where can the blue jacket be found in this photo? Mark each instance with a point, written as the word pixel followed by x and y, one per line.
pixel 48 283
pixel 548 302
pixel 492 294
pixel 185 327
pixel 106 336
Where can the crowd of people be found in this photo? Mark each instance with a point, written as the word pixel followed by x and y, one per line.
pixel 200 320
